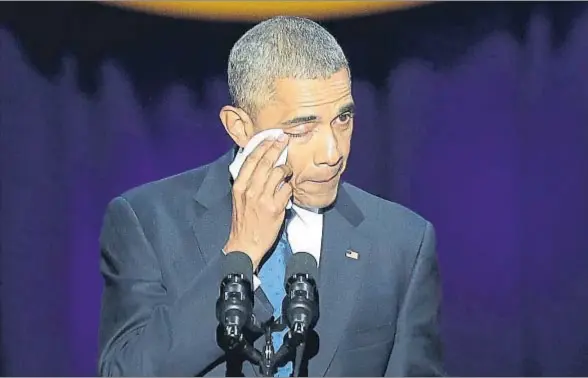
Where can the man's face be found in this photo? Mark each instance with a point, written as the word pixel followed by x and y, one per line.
pixel 317 115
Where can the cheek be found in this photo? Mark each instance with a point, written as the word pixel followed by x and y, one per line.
pixel 299 160
pixel 344 141
pixel 296 160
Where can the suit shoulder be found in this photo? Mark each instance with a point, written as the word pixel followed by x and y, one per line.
pixel 383 210
pixel 179 186
pixel 161 203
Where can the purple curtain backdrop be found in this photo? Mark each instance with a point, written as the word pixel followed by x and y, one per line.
pixel 474 115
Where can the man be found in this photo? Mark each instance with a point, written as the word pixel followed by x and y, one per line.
pixel 162 245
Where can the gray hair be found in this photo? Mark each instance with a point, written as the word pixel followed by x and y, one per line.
pixel 282 47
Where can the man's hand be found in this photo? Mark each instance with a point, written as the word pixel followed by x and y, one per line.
pixel 260 196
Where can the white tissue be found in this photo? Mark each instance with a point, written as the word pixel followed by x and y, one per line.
pixel 236 165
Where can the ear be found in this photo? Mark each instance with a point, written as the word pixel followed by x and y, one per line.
pixel 237 123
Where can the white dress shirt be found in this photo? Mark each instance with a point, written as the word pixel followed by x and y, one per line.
pixel 304 228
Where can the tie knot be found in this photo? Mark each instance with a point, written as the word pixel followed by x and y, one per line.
pixel 289 215
pixel 284 236
pixel 287 218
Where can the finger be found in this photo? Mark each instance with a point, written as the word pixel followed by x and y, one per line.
pixel 277 176
pixel 251 161
pixel 268 161
pixel 283 194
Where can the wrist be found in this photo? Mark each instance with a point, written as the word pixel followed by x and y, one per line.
pixel 234 247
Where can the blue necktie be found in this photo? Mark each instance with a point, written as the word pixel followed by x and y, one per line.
pixel 272 275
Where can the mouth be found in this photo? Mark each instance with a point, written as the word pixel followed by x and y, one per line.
pixel 328 179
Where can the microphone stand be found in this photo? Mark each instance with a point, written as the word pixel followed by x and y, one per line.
pixel 267 366
pixel 231 311
pixel 234 342
pixel 298 359
pixel 270 359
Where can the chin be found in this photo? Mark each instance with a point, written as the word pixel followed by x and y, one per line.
pixel 315 200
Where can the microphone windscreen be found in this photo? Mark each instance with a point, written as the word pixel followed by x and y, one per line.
pixel 302 263
pixel 238 263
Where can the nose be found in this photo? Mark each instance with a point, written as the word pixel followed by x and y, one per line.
pixel 327 152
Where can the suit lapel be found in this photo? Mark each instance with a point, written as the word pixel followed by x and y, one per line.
pixel 213 208
pixel 339 279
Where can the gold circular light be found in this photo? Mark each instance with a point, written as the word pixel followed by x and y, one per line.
pixel 259 10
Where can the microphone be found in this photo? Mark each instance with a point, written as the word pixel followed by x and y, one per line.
pixel 234 307
pixel 300 307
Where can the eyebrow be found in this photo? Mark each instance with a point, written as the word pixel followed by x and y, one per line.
pixel 299 120
pixel 347 108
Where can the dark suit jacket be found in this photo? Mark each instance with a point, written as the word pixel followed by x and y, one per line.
pixel 160 259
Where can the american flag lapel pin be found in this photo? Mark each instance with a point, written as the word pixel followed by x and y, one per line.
pixel 352 254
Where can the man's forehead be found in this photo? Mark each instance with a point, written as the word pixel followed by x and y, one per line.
pixel 312 93
pixel 316 103
pixel 338 79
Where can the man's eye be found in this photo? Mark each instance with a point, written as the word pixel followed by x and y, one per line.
pixel 298 135
pixel 344 118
